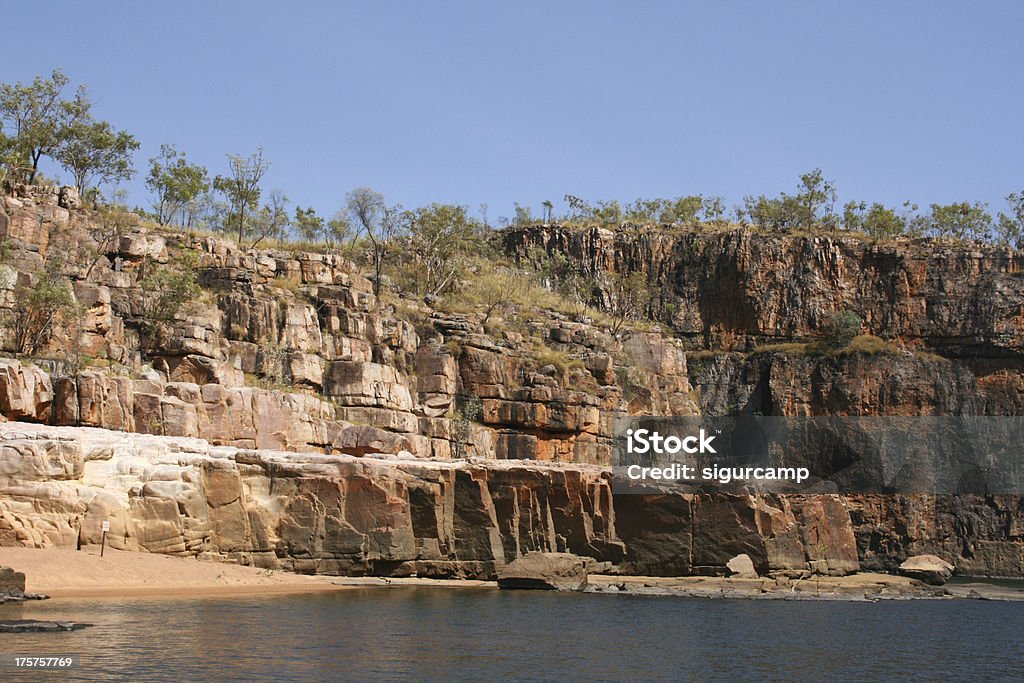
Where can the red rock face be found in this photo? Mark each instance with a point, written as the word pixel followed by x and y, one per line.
pixel 370 515
pixel 739 287
pixel 734 290
pixel 308 513
pixel 290 352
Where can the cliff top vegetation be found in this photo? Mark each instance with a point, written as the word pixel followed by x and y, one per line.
pixel 45 119
pixel 440 255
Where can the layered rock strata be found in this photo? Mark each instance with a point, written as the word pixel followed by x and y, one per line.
pixel 734 287
pixel 300 340
pixel 380 514
pixel 287 370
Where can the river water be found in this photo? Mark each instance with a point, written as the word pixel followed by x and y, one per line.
pixel 486 634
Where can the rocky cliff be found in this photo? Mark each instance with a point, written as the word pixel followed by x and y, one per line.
pixel 285 350
pixel 733 288
pixel 951 313
pixel 293 419
pixel 397 515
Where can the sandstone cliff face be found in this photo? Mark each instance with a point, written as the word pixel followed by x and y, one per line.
pixel 332 430
pixel 383 515
pixel 734 288
pixel 304 512
pixel 286 351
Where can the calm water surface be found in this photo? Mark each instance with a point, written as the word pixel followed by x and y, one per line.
pixel 463 634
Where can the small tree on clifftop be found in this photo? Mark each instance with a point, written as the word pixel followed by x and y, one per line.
pixel 1010 228
pixel 36 117
pixel 272 220
pixel 308 225
pixel 176 185
pixel 439 239
pixel 242 188
pixel 381 224
pixel 812 204
pixel 961 220
pixel 95 153
pixel 817 197
pixel 629 296
pixel 877 220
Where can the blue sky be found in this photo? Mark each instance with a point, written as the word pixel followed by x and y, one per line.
pixel 495 103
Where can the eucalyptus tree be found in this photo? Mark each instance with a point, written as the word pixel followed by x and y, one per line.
pixel 36 118
pixel 241 188
pixel 176 185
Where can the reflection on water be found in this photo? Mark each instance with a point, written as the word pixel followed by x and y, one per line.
pixel 464 634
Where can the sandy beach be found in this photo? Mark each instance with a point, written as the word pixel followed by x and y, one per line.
pixel 65 573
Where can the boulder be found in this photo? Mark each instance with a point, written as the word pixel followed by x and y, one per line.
pixel 545 571
pixel 354 383
pixel 931 569
pixel 142 244
pixel 829 540
pixel 363 440
pixel 741 567
pixel 25 392
pixel 69 198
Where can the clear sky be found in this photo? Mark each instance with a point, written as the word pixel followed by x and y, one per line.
pixel 493 103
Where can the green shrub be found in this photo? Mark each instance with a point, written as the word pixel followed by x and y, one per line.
pixel 292 283
pixel 704 354
pixel 37 308
pixel 791 348
pixel 560 360
pixel 469 412
pixel 840 328
pixel 165 291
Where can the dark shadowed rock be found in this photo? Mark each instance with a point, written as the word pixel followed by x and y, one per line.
pixel 33 626
pixel 658 532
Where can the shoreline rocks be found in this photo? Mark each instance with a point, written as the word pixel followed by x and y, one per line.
pixel 393 515
pixel 34 626
pixel 861 587
pixel 12 587
pixel 545 571
pixel 928 568
pixel 383 514
pixel 741 567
